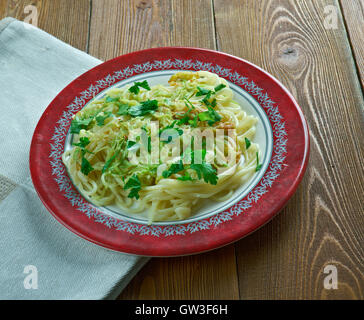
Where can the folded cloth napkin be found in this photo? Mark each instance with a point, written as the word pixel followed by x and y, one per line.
pixel 39 258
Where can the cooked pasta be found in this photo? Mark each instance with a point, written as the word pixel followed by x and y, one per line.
pixel 159 151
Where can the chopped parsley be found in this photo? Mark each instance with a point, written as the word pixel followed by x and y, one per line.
pixel 170 132
pixel 219 87
pixel 205 171
pixel 202 92
pixel 84 141
pixel 174 168
pixel 109 99
pixel 206 116
pixel 134 193
pixel 208 93
pixel 134 185
pixel 211 116
pixel 185 118
pixel 144 108
pixel 193 122
pixel 149 144
pixel 189 105
pixel 123 109
pixel 247 143
pixel 110 161
pixel 259 166
pixel 213 103
pixel 186 177
pixel 206 99
pixel 101 119
pixel 130 144
pixel 167 127
pixel 86 167
pixel 137 85
pixel 77 124
pixel 139 110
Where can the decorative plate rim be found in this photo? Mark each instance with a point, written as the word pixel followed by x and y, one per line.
pixel 273 172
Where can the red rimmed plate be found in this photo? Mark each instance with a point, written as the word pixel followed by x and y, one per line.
pixel 282 135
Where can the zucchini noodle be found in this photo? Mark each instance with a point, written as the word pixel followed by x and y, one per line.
pixel 108 130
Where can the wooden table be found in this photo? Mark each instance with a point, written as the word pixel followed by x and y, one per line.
pixel 323 66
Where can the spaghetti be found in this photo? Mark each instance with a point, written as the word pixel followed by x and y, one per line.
pixel 161 150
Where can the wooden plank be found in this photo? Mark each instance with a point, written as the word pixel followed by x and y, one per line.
pixel 323 223
pixel 353 11
pixel 3 9
pixel 126 26
pixel 68 20
pixel 143 24
pixel 206 276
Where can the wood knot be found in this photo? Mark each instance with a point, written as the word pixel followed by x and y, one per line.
pixel 289 55
pixel 292 57
pixel 144 4
pixel 290 51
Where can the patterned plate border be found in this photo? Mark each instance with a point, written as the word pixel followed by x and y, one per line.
pixel 272 173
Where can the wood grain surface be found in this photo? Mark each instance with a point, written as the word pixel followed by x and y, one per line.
pixel 142 24
pixel 353 11
pixel 323 222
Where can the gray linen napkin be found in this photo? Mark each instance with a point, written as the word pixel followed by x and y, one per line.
pixel 37 252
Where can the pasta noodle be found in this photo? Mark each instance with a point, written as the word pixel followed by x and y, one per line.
pixel 162 150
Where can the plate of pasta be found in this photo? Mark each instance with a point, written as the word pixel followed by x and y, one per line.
pixel 169 151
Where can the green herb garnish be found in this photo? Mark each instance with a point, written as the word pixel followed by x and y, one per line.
pixel 167 127
pixel 186 177
pixel 110 161
pixel 134 193
pixel 190 105
pixel 123 109
pixel 186 117
pixel 247 143
pixel 144 108
pixel 219 87
pixel 134 185
pixel 213 103
pixel 101 119
pixel 202 92
pixel 84 141
pixel 259 166
pixel 206 116
pixel 174 132
pixel 109 99
pixel 211 116
pixel 206 99
pixel 206 171
pixel 86 167
pixel 193 122
pixel 135 88
pixel 77 125
pixel 174 168
pixel 130 144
